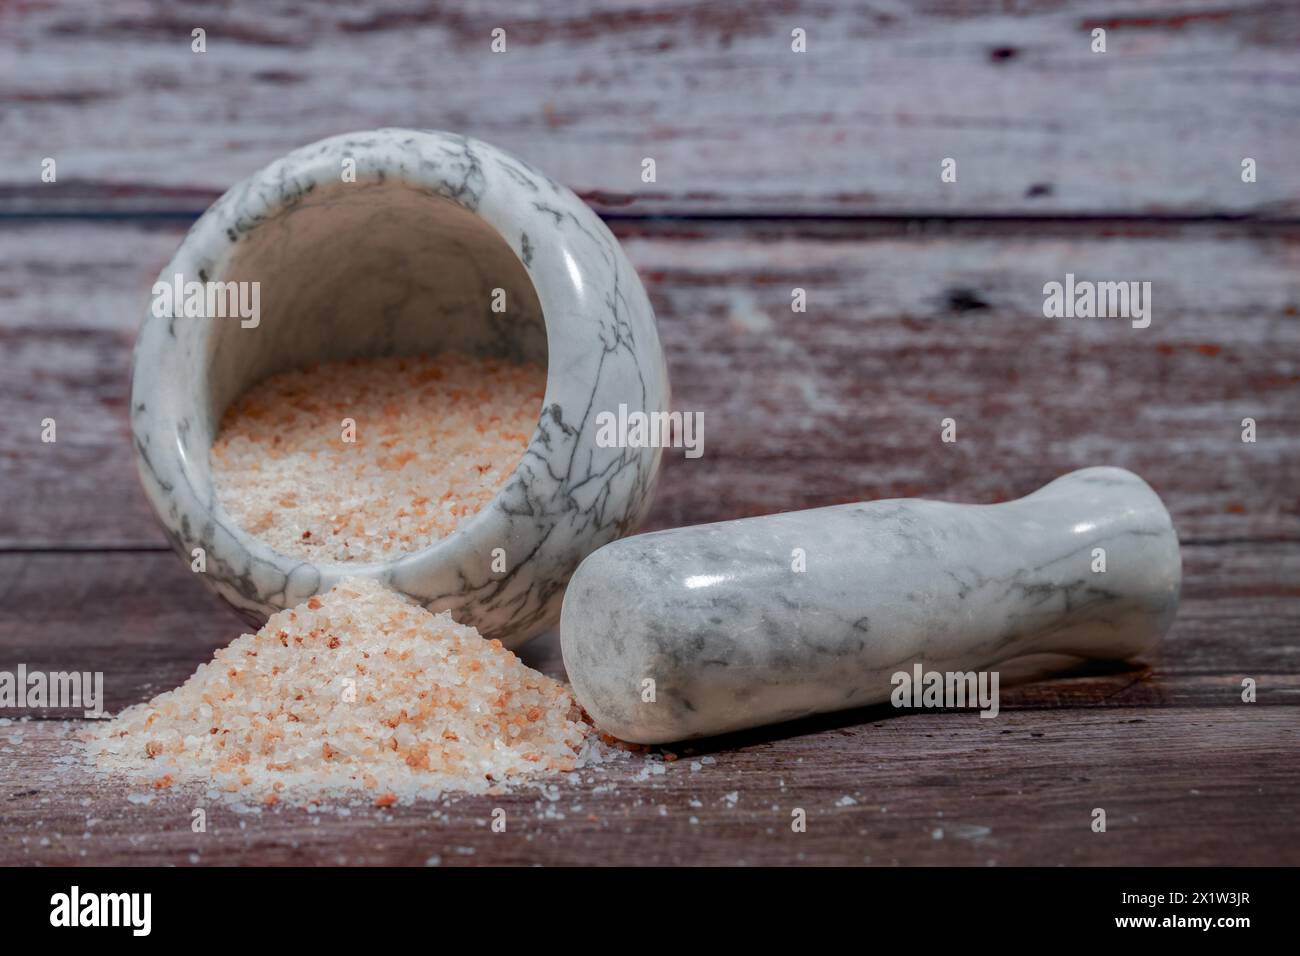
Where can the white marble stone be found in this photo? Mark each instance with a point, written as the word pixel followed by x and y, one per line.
pixel 404 260
pixel 733 637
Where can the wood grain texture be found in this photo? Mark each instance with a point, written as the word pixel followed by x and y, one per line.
pixel 841 403
pixel 1187 772
pixel 1186 787
pixel 775 171
pixel 736 122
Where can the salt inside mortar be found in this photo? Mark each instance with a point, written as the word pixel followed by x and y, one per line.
pixel 432 441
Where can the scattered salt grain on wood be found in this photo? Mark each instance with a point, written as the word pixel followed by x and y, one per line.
pixel 434 440
pixel 357 690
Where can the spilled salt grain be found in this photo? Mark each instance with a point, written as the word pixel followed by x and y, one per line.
pixel 434 439
pixel 356 691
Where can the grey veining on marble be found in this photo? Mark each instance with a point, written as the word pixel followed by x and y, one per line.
pixel 404 261
pixel 733 636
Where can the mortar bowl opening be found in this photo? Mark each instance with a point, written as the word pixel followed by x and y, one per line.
pixel 391 308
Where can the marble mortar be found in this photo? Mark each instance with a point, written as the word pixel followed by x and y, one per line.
pixel 404 260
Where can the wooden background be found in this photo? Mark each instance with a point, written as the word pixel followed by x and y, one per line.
pixel 775 170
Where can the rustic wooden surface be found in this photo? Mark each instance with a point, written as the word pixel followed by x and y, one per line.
pixel 924 302
pixel 736 121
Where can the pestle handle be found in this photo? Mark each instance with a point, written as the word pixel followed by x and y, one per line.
pixel 760 620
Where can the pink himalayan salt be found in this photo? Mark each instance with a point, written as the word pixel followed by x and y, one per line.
pixel 357 690
pixel 435 440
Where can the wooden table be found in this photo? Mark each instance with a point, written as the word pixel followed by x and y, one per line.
pixel 775 170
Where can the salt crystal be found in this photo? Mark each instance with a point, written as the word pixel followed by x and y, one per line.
pixel 434 441
pixel 278 729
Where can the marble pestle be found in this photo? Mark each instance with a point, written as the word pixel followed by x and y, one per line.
pixel 761 620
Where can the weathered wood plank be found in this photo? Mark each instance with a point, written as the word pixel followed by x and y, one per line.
pixel 904 328
pixel 711 90
pixel 146 621
pixel 1189 787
